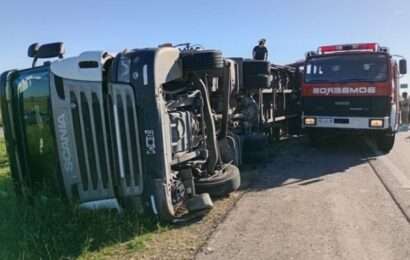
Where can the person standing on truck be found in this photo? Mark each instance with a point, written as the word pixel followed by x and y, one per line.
pixel 260 52
pixel 405 109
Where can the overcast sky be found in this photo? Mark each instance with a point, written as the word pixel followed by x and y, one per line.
pixel 291 27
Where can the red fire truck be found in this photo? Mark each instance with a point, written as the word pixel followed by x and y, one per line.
pixel 354 88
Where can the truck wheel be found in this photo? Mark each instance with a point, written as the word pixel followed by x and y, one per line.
pixel 259 81
pixel 385 142
pixel 221 183
pixel 203 60
pixel 255 67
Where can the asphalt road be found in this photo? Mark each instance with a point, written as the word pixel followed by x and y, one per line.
pixel 340 201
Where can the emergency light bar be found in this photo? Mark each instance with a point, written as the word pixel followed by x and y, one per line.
pixel 349 47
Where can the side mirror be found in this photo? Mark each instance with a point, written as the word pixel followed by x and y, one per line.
pixel 32 50
pixel 51 50
pixel 403 66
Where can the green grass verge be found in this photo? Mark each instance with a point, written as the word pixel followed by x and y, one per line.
pixel 48 228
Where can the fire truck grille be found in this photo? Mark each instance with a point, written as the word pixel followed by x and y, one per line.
pixel 347 106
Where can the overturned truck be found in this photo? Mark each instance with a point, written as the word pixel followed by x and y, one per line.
pixel 158 129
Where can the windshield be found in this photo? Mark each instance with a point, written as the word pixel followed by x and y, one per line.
pixel 33 94
pixel 347 68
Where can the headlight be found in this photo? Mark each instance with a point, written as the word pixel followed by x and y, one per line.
pixel 376 123
pixel 124 67
pixel 310 121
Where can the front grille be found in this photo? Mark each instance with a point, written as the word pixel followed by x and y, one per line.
pixel 347 106
pixel 128 149
pixel 91 143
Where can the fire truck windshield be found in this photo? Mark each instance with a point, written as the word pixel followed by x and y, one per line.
pixel 347 68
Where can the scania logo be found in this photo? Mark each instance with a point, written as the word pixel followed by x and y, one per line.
pixel 65 143
pixel 344 90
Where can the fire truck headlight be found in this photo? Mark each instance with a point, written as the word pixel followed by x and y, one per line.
pixel 309 120
pixel 376 123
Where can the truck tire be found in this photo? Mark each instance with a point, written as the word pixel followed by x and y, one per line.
pixel 203 60
pixel 259 81
pixel 385 142
pixel 220 184
pixel 255 67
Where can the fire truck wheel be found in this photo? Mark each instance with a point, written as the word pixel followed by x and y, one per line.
pixel 203 60
pixel 259 81
pixel 221 183
pixel 255 67
pixel 385 142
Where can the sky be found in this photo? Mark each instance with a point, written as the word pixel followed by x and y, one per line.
pixel 234 26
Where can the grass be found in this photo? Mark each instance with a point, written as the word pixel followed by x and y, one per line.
pixel 48 228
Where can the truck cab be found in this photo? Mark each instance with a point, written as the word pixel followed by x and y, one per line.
pixel 354 88
pixel 135 130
